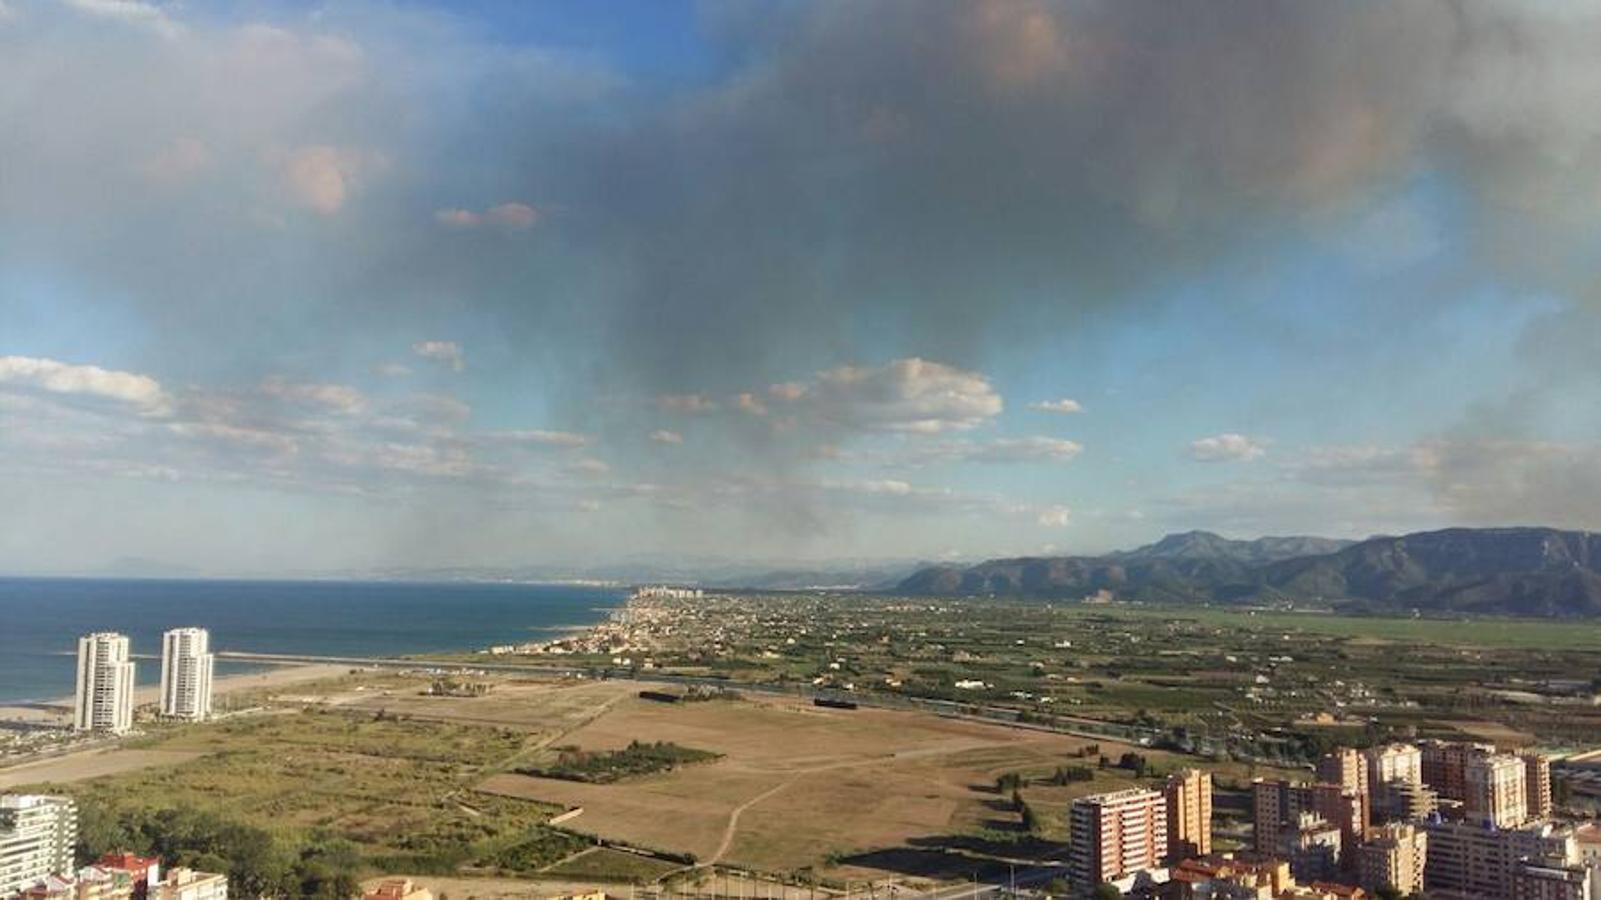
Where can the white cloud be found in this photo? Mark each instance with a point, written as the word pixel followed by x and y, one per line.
pixel 516 216
pixel 911 395
pixel 181 159
pixel 1063 405
pixel 335 397
pixel 139 391
pixel 1054 516
pixel 881 486
pixel 589 467
pixel 458 218
pixel 663 436
pixel 540 437
pixel 132 12
pixel 1227 447
pixel 321 177
pixel 254 438
pixel 750 403
pixel 510 216
pixel 447 352
pixel 432 408
pixel 694 404
pixel 392 370
pixel 1014 450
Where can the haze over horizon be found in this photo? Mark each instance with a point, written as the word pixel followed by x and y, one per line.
pixel 294 286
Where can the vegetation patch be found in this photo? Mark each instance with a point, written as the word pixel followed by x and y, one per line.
pixel 638 758
pixel 606 864
pixel 304 805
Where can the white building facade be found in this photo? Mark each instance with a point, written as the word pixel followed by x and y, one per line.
pixel 37 834
pixel 105 684
pixel 186 665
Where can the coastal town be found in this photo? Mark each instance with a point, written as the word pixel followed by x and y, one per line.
pixel 1104 787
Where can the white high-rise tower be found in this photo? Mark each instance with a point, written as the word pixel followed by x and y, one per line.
pixel 186 664
pixel 105 684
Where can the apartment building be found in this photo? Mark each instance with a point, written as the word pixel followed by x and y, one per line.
pixel 1116 834
pixel 104 699
pixel 37 834
pixel 1394 855
pixel 1403 801
pixel 1394 762
pixel 1537 882
pixel 1472 860
pixel 1345 767
pixel 1444 766
pixel 186 667
pixel 1189 813
pixel 1496 790
pixel 1537 782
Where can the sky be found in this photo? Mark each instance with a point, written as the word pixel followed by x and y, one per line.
pixel 293 287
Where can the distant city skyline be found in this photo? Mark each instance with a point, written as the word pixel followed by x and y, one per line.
pixel 287 288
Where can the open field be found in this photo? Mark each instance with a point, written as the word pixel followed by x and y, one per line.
pixel 1545 634
pixel 799 786
pixel 606 864
pixel 397 791
pixel 87 764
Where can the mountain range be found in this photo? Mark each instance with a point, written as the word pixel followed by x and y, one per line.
pixel 1502 571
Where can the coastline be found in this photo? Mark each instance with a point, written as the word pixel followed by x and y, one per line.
pixel 59 710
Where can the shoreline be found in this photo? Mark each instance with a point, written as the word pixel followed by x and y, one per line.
pixel 59 709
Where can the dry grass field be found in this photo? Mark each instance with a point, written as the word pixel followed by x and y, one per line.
pixel 91 764
pixel 800 786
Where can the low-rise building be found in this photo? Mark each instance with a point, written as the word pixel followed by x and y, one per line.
pixel 398 889
pixel 142 871
pixel 1587 838
pixel 1538 882
pixel 187 884
pixel 90 883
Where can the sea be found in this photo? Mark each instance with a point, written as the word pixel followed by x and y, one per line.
pixel 41 620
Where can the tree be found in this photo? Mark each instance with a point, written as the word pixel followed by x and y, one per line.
pixel 1104 891
pixel 1388 892
pixel 1031 820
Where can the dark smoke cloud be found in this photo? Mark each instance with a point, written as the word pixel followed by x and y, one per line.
pixel 949 179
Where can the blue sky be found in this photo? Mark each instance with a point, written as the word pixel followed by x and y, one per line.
pixel 305 287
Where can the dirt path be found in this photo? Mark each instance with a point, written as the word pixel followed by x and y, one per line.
pixel 732 828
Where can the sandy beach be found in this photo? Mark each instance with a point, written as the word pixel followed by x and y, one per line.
pixel 59 711
pixel 106 757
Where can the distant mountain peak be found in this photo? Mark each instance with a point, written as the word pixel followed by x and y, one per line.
pixel 1508 570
